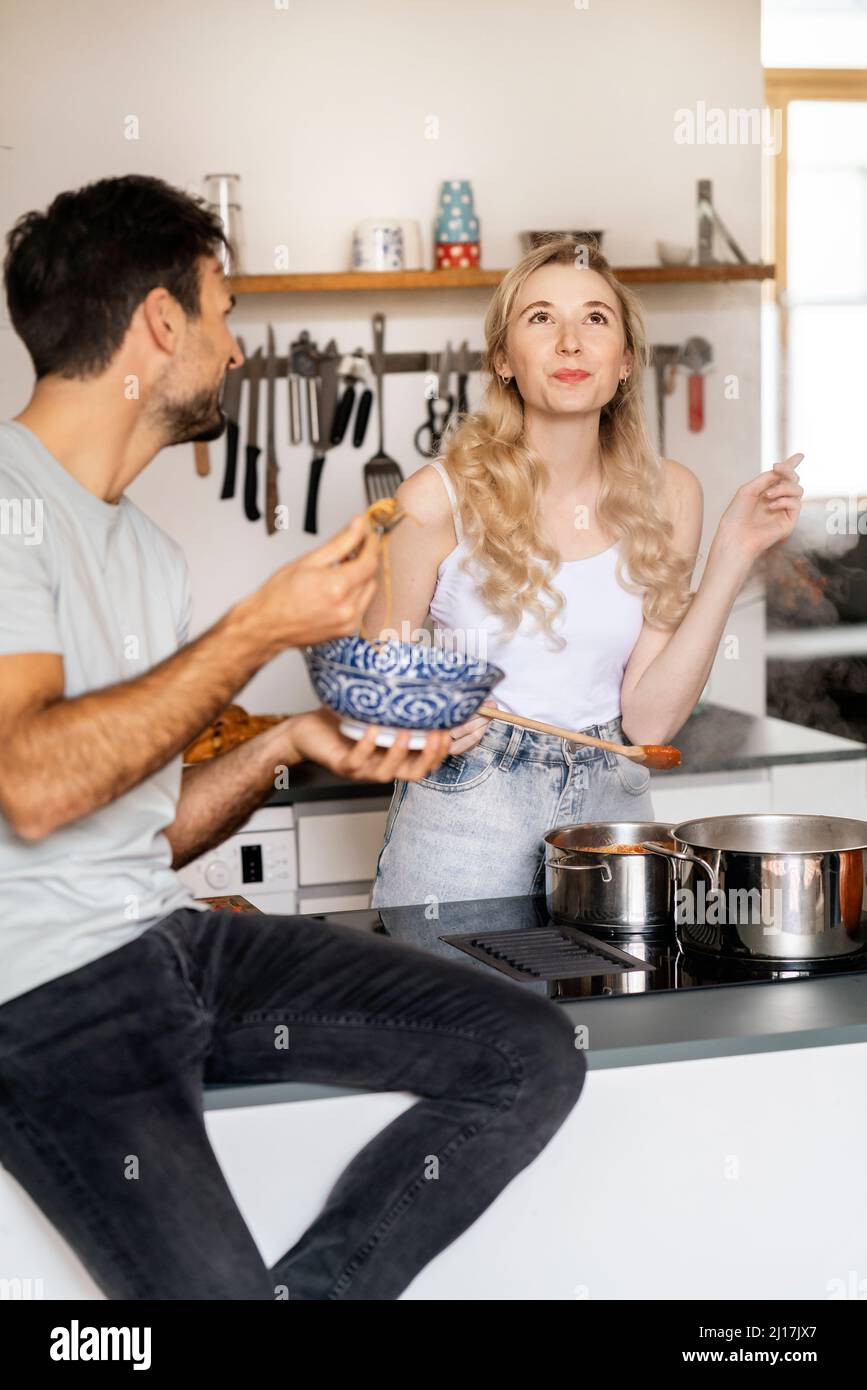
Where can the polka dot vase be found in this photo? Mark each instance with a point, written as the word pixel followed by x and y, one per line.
pixel 456 230
pixel 457 255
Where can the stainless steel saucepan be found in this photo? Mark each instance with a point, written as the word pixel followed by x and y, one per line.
pixel 587 881
pixel 773 887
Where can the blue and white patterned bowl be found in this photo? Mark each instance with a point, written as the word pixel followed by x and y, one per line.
pixel 399 685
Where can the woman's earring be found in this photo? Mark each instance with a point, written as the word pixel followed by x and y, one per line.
pixel 623 379
pixel 506 380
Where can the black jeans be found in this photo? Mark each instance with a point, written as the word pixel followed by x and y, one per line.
pixel 101 1113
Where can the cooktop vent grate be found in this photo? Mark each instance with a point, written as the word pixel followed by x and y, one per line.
pixel 545 953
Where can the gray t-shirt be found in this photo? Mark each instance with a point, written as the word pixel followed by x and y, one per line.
pixel 105 587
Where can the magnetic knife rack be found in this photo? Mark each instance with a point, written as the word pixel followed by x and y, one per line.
pixel 392 362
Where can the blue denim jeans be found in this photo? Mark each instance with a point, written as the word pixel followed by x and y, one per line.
pixel 475 827
pixel 105 1065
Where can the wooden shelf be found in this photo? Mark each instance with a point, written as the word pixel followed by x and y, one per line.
pixel 692 274
pixel 353 280
pixel 367 280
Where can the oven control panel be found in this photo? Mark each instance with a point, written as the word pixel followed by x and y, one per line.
pixel 262 856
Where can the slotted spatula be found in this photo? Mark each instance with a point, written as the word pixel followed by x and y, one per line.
pixel 382 474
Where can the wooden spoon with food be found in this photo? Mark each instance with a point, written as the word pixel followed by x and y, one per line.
pixel 658 756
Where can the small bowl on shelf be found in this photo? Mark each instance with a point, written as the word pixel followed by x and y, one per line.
pixel 398 685
pixel 673 253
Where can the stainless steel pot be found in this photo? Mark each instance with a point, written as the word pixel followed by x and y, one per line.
pixel 621 891
pixel 773 887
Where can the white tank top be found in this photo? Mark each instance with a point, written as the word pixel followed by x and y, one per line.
pixel 575 686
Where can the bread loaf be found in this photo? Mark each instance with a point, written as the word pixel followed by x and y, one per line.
pixel 231 727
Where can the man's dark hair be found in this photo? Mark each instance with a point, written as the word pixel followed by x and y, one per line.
pixel 76 273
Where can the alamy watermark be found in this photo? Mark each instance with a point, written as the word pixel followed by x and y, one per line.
pixel 740 906
pixel 470 642
pixel 733 125
pixel 846 516
pixel 22 516
pixel 19 1290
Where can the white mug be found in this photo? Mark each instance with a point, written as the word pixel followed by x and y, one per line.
pixel 377 244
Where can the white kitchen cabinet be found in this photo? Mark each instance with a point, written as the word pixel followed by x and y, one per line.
pixel 349 898
pixel 689 796
pixel 720 1143
pixel 339 841
pixel 821 789
pixel 837 788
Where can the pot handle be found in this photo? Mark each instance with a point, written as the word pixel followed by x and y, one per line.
pixel 579 868
pixel 656 848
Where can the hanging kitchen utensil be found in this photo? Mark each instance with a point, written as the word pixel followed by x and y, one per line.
pixel 462 366
pixel 696 356
pixel 272 468
pixel 353 369
pixel 344 405
pixel 362 415
pixel 428 436
pixel 305 358
pixel 252 452
pixel 382 474
pixel 329 368
pixel 294 382
pixel 232 408
pixel 664 356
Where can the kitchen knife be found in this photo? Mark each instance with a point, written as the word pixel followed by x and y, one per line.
pixel 664 357
pixel 463 368
pixel 252 452
pixel 272 468
pixel 232 407
pixel 295 401
pixel 329 372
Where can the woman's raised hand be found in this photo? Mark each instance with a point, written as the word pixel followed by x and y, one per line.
pixel 765 510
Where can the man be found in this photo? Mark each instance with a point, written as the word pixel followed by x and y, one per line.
pixel 119 995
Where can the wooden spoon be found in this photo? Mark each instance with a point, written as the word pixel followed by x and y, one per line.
pixel 659 756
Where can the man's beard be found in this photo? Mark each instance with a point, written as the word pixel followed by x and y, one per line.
pixel 200 418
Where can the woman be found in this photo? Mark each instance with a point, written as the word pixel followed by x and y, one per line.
pixel 556 542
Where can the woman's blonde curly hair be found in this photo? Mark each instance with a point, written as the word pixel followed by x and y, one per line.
pixel 499 478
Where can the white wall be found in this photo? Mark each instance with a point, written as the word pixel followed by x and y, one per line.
pixel 561 118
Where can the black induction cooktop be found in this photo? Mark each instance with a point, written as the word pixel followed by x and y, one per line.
pixel 510 934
